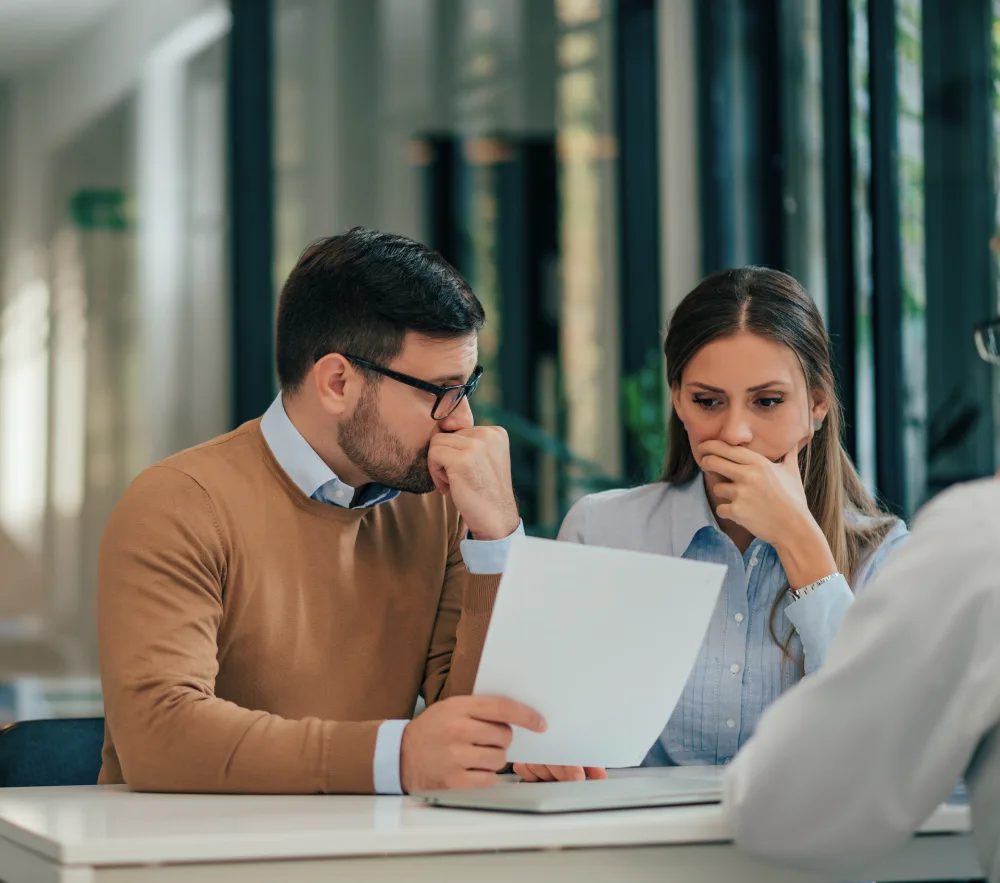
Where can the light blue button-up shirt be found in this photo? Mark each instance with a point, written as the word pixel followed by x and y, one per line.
pixel 740 668
pixel 317 480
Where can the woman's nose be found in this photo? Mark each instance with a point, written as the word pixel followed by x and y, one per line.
pixel 736 429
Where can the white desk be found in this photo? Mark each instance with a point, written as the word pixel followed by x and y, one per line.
pixel 110 835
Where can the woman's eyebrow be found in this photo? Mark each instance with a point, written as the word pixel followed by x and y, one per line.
pixel 771 384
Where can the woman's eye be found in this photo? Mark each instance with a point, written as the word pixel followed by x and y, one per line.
pixel 706 403
pixel 769 403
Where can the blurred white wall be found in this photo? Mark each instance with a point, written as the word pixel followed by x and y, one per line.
pixel 113 336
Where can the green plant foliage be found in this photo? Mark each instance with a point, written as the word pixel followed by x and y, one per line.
pixel 644 413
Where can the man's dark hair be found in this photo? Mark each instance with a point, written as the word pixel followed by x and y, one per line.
pixel 360 292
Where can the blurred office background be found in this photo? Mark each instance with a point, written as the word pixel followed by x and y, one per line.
pixel 583 162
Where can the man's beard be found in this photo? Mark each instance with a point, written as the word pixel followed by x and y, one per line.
pixel 372 448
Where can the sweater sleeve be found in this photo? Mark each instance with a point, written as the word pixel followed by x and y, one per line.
pixel 460 628
pixel 161 577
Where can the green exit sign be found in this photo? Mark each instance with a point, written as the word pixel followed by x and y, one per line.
pixel 100 209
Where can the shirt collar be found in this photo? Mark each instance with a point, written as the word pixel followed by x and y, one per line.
pixel 306 468
pixel 692 513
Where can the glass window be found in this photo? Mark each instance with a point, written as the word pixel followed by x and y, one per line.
pixel 486 129
pixel 802 148
pixel 864 418
pixel 912 234
pixel 945 138
pixel 761 71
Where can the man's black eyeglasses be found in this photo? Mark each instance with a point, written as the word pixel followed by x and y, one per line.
pixel 988 341
pixel 446 398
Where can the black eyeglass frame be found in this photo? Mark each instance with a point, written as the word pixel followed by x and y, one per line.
pixel 439 392
pixel 987 336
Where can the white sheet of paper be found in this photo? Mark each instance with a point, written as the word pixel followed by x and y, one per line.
pixel 600 642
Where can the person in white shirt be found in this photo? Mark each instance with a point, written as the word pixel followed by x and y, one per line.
pixel 844 767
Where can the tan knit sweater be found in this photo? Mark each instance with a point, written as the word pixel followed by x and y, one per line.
pixel 253 640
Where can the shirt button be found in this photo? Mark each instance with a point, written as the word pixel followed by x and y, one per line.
pixel 731 724
pixel 738 617
pixel 340 495
pixel 735 668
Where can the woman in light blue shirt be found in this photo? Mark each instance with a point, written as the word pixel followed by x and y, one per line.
pixel 756 477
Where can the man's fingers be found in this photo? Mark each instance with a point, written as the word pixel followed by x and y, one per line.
pixel 524 772
pixel 440 478
pixel 441 459
pixel 438 461
pixel 555 772
pixel 451 441
pixel 536 772
pixel 476 757
pixel 505 711
pixel 487 734
pixel 441 455
pixel 466 438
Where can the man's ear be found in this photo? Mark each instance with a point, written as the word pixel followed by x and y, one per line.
pixel 337 384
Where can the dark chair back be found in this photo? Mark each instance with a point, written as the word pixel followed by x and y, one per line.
pixel 64 751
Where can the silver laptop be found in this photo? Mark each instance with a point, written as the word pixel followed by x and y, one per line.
pixel 624 789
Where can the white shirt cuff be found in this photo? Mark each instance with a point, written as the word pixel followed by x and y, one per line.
pixel 388 745
pixel 489 556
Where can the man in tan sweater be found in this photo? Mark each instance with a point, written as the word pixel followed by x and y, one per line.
pixel 272 602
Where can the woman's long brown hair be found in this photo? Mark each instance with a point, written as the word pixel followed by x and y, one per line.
pixel 774 306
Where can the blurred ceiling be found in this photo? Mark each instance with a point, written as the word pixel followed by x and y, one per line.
pixel 32 29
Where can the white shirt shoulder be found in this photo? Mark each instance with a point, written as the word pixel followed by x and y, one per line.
pixel 650 518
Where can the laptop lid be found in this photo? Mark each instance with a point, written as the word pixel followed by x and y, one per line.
pixel 674 786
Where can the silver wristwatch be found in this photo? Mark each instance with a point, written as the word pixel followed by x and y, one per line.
pixel 799 594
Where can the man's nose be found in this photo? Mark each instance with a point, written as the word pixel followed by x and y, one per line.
pixel 460 418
